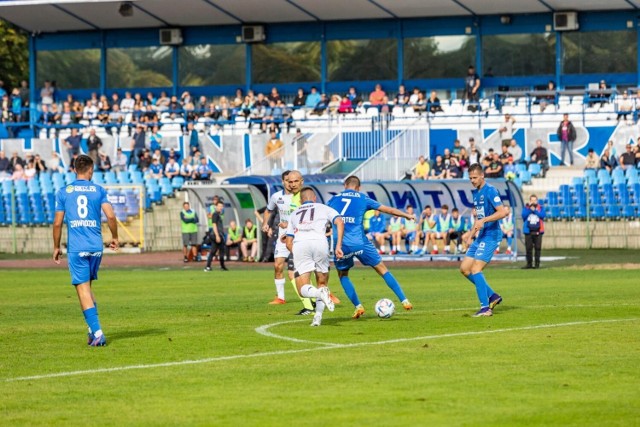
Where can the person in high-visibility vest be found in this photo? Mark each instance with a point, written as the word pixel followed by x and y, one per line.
pixel 189 221
pixel 234 238
pixel 249 241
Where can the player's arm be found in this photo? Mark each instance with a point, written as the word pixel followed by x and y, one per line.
pixel 216 233
pixel 265 220
pixel 501 212
pixel 113 225
pixel 393 211
pixel 339 223
pixel 57 235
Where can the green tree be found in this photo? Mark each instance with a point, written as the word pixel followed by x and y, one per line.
pixel 14 55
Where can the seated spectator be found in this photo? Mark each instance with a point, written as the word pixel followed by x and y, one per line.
pixel 628 158
pixel 300 99
pixel 452 166
pixel 16 160
pixel 415 95
pixel 156 169
pixel 384 107
pixel 549 99
pixel 592 161
pixel 378 231
pixel 249 241
pixel 488 158
pixel 463 160
pixel 495 168
pixel 234 238
pixel 321 106
pixel 428 227
pixel 120 162
pixel 515 151
pixel 624 107
pixel 89 112
pixel 173 153
pixel 377 97
pixel 421 169
pixel 77 110
pixel 353 96
pixel 334 104
pixel 172 168
pixel 162 103
pixel 599 96
pixel 438 171
pixel 30 170
pixel 402 97
pixel 186 170
pixel 54 164
pixel 18 172
pixel 345 105
pixel 104 163
pixel 145 161
pixel 510 171
pixel 504 155
pixel 274 95
pixel 420 105
pixel 5 166
pixel 313 99
pixel 395 233
pixel 539 155
pixel 157 154
pixel 607 161
pixel 127 104
pixel 433 104
pixel 203 172
pixel 637 154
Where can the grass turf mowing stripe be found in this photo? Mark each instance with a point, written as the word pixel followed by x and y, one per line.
pixel 327 346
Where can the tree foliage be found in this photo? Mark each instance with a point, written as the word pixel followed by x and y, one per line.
pixel 14 55
pixel 286 62
pixel 362 60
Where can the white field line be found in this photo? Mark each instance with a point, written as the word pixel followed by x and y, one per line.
pixel 306 350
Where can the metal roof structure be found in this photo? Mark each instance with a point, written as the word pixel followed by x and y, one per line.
pixel 46 16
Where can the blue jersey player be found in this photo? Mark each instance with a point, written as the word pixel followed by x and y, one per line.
pixel 352 204
pixel 489 211
pixel 80 204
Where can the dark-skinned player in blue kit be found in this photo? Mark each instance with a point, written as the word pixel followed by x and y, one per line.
pixel 486 229
pixel 81 204
pixel 352 204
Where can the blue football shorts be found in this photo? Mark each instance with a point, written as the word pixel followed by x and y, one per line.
pixel 410 236
pixel 482 249
pixel 366 254
pixel 84 266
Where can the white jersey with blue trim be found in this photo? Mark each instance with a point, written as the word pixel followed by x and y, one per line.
pixel 309 222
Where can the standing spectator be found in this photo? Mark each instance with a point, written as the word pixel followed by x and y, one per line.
pixel 533 229
pixel 567 135
pixel 25 95
pixel 421 169
pixel 202 172
pixel 628 158
pixel 94 143
pixel 274 151
pixel 189 222
pixel 624 107
pixel 115 119
pixel 377 97
pixel 302 145
pixel 172 169
pixel 218 243
pixel 249 241
pixel 155 139
pixel 104 164
pixel 472 89
pixel 72 162
pixel 120 162
pixel 540 156
pixel 506 130
pixel 73 142
pixel 138 141
pixel 433 104
pixel 592 160
pixel 194 139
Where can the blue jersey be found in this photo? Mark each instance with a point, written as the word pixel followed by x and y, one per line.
pixel 377 224
pixel 486 200
pixel 82 204
pixel 352 205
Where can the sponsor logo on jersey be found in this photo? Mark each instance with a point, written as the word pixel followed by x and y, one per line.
pixel 69 189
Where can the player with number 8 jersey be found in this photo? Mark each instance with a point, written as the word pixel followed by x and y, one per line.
pixel 80 205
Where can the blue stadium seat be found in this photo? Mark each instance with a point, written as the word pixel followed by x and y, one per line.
pixel 618 175
pixel 565 194
pixel 535 169
pixel 177 182
pixel 132 168
pixel 566 212
pixel 521 167
pixel 613 211
pixel 581 212
pixel 590 176
pixel 518 181
pixel 110 178
pixel 577 180
pixel 608 194
pixel 597 212
pixel 136 177
pixel 124 177
pixel 603 177
pixel 98 177
pixel 69 177
pixel 629 212
pixel 525 176
pixel 633 179
pixel 553 197
pixel 20 186
pixel 165 187
pixel 58 181
pixel 631 172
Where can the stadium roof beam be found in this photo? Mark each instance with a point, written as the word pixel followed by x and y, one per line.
pixel 226 12
pixel 294 4
pixel 383 8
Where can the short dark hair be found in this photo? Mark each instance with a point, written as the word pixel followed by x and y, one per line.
pixel 445 207
pixel 304 193
pixel 476 167
pixel 454 210
pixel 83 164
pixel 285 174
pixel 352 181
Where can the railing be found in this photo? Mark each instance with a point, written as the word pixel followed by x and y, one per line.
pixel 395 159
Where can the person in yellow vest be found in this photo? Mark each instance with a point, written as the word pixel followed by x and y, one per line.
pixel 428 227
pixel 249 241
pixel 234 238
pixel 409 230
pixel 366 224
pixel 189 221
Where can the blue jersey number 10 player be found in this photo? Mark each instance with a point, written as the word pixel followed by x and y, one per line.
pixel 352 204
pixel 486 229
pixel 81 204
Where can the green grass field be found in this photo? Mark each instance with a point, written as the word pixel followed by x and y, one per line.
pixel 563 349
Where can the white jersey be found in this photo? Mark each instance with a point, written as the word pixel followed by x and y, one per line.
pixel 309 222
pixel 285 203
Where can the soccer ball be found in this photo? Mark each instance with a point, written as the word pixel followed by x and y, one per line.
pixel 385 308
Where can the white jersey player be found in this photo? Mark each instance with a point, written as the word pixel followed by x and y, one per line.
pixel 306 238
pixel 285 201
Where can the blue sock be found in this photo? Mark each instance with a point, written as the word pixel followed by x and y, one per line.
pixel 394 285
pixel 91 317
pixel 95 305
pixel 481 288
pixel 509 241
pixel 350 290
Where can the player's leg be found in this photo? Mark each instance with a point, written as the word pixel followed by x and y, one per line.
pixel 509 242
pixel 425 245
pixel 434 244
pixel 83 270
pixel 254 250
pixel 478 256
pixel 371 258
pixel 307 303
pixel 243 250
pixel 279 280
pixel 221 255
pixel 185 244
pixel 305 264
pixel 193 241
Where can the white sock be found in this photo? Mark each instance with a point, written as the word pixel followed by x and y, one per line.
pixel 382 248
pixel 435 248
pixel 280 287
pixel 310 291
pixel 319 306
